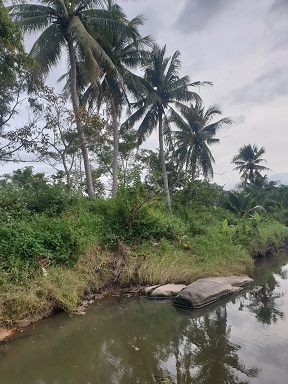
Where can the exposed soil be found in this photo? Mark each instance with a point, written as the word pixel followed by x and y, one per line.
pixel 6 333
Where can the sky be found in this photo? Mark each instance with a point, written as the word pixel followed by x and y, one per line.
pixel 242 47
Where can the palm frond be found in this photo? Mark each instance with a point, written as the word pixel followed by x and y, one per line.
pixel 32 17
pixel 47 48
pixel 148 124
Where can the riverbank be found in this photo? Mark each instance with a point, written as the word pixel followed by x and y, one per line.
pixel 59 251
pixel 9 330
pixel 99 273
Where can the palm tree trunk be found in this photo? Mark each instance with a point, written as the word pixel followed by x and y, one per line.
pixel 162 159
pixel 251 176
pixel 75 102
pixel 115 149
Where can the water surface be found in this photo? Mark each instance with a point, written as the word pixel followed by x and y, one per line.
pixel 129 341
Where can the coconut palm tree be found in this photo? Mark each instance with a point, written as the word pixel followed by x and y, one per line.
pixel 125 48
pixel 164 88
pixel 196 131
pixel 248 162
pixel 71 26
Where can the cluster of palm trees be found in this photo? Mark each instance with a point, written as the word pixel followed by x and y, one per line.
pixel 104 51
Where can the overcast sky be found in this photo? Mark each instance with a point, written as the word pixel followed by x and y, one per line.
pixel 242 47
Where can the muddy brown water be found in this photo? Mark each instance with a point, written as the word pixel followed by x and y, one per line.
pixel 135 340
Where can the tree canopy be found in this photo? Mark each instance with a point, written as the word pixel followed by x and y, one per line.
pixel 11 47
pixel 164 88
pixel 249 164
pixel 196 131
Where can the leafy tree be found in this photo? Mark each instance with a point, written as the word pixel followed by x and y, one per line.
pixel 128 154
pixel 16 135
pixel 196 131
pixel 248 162
pixel 14 80
pixel 268 196
pixel 59 143
pixel 24 189
pixel 198 193
pixel 151 164
pixel 72 26
pixel 12 54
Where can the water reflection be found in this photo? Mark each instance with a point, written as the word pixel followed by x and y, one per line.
pixel 132 342
pixel 265 301
pixel 265 304
pixel 205 354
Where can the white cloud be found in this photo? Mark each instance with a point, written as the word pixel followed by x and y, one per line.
pixel 242 47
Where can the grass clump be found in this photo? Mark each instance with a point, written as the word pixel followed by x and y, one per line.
pixel 206 255
pixel 272 236
pixel 59 288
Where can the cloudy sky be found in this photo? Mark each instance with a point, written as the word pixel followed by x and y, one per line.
pixel 242 47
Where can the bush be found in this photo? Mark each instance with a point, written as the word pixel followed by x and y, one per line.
pixel 24 242
pixel 24 191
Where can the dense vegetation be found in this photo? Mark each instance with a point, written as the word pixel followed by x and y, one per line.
pixel 55 245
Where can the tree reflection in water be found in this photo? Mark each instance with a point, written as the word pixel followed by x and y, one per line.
pixel 265 301
pixel 265 304
pixel 205 354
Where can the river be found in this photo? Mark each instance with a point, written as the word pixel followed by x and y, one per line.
pixel 135 340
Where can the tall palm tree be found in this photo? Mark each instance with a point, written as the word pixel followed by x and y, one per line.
pixel 248 162
pixel 164 88
pixel 125 48
pixel 71 26
pixel 196 131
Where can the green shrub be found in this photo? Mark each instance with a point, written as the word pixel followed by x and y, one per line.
pixel 24 242
pixel 24 190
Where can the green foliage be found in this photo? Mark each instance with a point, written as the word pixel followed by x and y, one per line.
pixel 34 224
pixel 23 243
pixel 33 192
pixel 11 47
pixel 242 204
pixel 134 215
pixel 70 233
pixel 225 226
pixel 198 193
pixel 271 236
pixel 195 133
